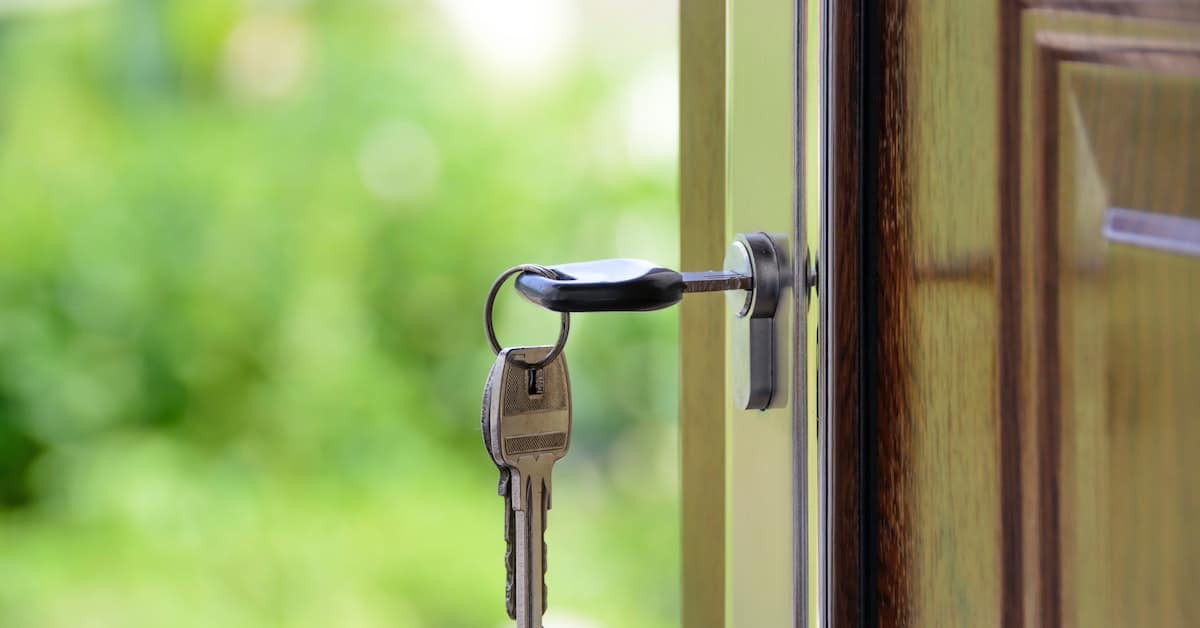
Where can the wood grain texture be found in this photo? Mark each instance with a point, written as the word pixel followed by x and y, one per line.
pixel 933 362
pixel 887 303
pixel 702 317
pixel 887 308
pixel 1011 351
pixel 1112 117
pixel 1009 413
pixel 916 428
pixel 918 265
pixel 840 294
pixel 1148 9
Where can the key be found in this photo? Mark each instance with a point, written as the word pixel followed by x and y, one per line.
pixel 529 429
pixel 622 285
pixel 503 489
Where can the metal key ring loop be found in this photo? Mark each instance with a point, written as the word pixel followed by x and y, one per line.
pixel 491 301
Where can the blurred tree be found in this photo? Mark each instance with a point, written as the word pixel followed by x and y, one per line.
pixel 243 248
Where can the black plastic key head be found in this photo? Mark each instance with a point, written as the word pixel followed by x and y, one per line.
pixel 610 285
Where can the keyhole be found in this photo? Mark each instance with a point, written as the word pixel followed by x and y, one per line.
pixel 535 381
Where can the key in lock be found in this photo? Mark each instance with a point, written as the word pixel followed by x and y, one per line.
pixel 757 274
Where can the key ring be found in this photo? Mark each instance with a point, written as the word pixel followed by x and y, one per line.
pixel 491 301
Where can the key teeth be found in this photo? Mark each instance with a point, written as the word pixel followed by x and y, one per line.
pixel 510 559
pixel 502 484
pixel 545 524
pixel 510 583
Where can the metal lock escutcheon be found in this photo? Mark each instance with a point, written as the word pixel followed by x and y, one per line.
pixel 756 275
pixel 753 338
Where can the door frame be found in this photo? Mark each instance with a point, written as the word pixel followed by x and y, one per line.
pixel 732 568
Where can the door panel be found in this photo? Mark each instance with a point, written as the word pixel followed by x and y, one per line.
pixel 1010 286
pixel 766 468
pixel 1115 115
pixel 745 484
pixel 922 219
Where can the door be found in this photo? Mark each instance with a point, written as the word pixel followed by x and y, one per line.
pixel 1010 281
pixel 748 475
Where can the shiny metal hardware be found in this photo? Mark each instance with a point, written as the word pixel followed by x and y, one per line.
pixel 619 285
pixel 754 353
pixel 716 281
pixel 490 328
pixel 756 274
pixel 1163 232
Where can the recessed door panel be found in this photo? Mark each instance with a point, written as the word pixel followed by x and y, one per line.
pixel 1117 225
pixel 1010 284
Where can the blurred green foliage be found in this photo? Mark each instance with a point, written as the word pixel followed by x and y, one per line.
pixel 243 251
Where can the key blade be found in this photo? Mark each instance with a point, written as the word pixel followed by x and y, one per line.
pixel 531 553
pixel 716 281
pixel 510 556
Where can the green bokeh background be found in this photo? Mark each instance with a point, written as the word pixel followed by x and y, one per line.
pixel 243 253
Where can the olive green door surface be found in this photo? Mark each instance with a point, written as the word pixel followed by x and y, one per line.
pixel 748 486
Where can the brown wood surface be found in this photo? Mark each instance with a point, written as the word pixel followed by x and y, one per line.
pixel 915 431
pixel 1012 358
pixel 1013 406
pixel 934 366
pixel 840 288
pixel 1112 105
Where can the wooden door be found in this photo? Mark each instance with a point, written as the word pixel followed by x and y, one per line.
pixel 1010 293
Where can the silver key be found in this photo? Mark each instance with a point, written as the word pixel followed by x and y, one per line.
pixel 529 429
pixel 503 488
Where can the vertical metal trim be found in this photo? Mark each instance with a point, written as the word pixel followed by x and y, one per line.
pixel 800 293
pixel 825 357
